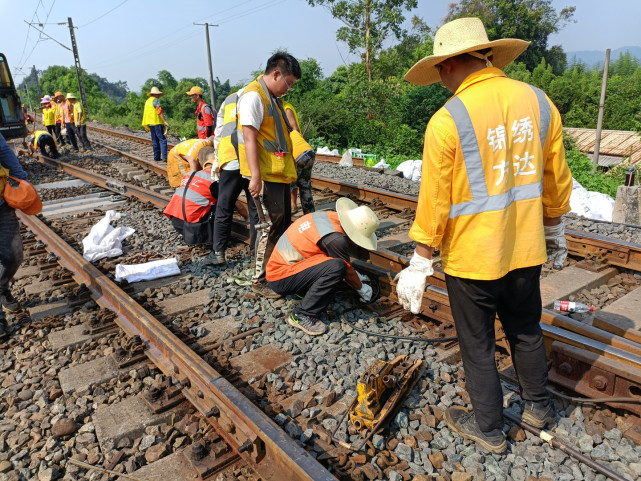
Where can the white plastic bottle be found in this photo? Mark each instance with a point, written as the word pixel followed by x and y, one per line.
pixel 567 306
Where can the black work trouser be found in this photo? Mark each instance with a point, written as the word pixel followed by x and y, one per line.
pixel 45 142
pixel 276 200
pixel 52 131
pixel 59 137
pixel 230 184
pixel 82 134
pixel 516 298
pixel 11 252
pixel 317 283
pixel 72 133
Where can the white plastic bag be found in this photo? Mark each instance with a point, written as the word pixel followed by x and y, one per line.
pixel 346 160
pixel 148 270
pixel 104 240
pixel 593 205
pixel 411 169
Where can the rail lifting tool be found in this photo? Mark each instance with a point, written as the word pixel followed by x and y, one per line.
pixel 381 390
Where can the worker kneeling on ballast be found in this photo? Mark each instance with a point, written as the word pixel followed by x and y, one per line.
pixel 312 258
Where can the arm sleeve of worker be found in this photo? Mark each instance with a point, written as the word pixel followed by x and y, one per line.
pixel 208 115
pixel 336 245
pixel 8 160
pixel 157 106
pixel 251 110
pixel 433 209
pixel 557 178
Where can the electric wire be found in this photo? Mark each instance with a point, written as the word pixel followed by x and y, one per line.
pixel 104 14
pixel 374 297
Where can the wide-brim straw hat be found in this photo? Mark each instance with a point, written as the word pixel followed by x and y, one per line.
pixel 195 90
pixel 358 222
pixel 155 91
pixel 460 36
pixel 71 96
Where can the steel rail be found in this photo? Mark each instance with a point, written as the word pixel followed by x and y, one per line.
pixel 249 431
pixel 122 188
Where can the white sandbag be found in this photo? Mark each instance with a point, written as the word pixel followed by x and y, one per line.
pixel 346 160
pixel 326 151
pixel 104 240
pixel 411 169
pixel 593 205
pixel 382 165
pixel 147 271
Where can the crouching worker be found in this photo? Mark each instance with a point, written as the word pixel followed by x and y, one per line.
pixel 312 258
pixel 42 140
pixel 192 207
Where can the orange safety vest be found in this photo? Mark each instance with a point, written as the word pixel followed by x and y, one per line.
pixel 297 249
pixel 198 199
pixel 67 113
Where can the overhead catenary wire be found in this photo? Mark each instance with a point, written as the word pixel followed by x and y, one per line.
pixel 104 14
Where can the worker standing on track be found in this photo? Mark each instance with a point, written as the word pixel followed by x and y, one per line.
pixel 265 155
pixel 58 101
pixel 153 121
pixel 231 183
pixel 494 186
pixel 69 120
pixel 312 258
pixel 11 253
pixel 80 121
pixel 304 157
pixel 48 115
pixel 205 113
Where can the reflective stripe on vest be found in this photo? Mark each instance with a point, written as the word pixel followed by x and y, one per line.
pixel 192 195
pixel 272 110
pixel 287 250
pixel 229 133
pixel 202 109
pixel 197 201
pixel 481 200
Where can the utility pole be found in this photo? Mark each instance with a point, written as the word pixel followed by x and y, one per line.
pixel 35 74
pixel 599 123
pixel 26 89
pixel 76 57
pixel 211 74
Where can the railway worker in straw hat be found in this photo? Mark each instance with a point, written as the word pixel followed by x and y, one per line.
pixel 494 186
pixel 312 258
pixel 69 120
pixel 205 113
pixel 153 120
pixel 79 121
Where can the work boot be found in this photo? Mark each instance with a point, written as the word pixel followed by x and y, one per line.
pixel 8 301
pixel 214 259
pixel 464 424
pixel 262 289
pixel 538 414
pixel 308 324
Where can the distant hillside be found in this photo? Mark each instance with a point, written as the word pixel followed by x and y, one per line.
pixel 593 58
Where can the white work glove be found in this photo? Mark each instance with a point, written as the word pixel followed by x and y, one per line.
pixel 555 244
pixel 411 282
pixel 362 277
pixel 365 293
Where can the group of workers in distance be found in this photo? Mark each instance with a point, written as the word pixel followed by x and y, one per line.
pixel 66 122
pixel 494 186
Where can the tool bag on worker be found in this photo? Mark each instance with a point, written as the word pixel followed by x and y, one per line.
pixel 197 233
pixel 20 194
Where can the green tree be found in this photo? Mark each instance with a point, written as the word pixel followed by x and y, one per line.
pixel 367 23
pixel 533 20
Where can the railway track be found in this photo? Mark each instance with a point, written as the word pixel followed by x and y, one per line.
pixel 604 346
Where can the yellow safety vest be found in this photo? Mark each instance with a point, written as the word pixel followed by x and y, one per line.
pixel 79 113
pixel 4 174
pixel 228 144
pixel 150 115
pixel 36 137
pixel 287 105
pixel 49 115
pixel 177 167
pixel 58 112
pixel 274 143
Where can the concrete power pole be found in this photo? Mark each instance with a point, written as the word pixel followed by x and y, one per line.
pixel 599 123
pixel 211 74
pixel 76 57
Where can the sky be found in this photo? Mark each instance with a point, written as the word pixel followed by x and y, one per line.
pixel 131 40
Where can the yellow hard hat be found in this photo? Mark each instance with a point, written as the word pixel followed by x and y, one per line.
pixel 195 90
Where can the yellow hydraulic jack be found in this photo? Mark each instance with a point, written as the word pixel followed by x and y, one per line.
pixel 380 391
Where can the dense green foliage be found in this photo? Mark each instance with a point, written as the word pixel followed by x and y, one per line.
pixel 584 173
pixel 386 115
